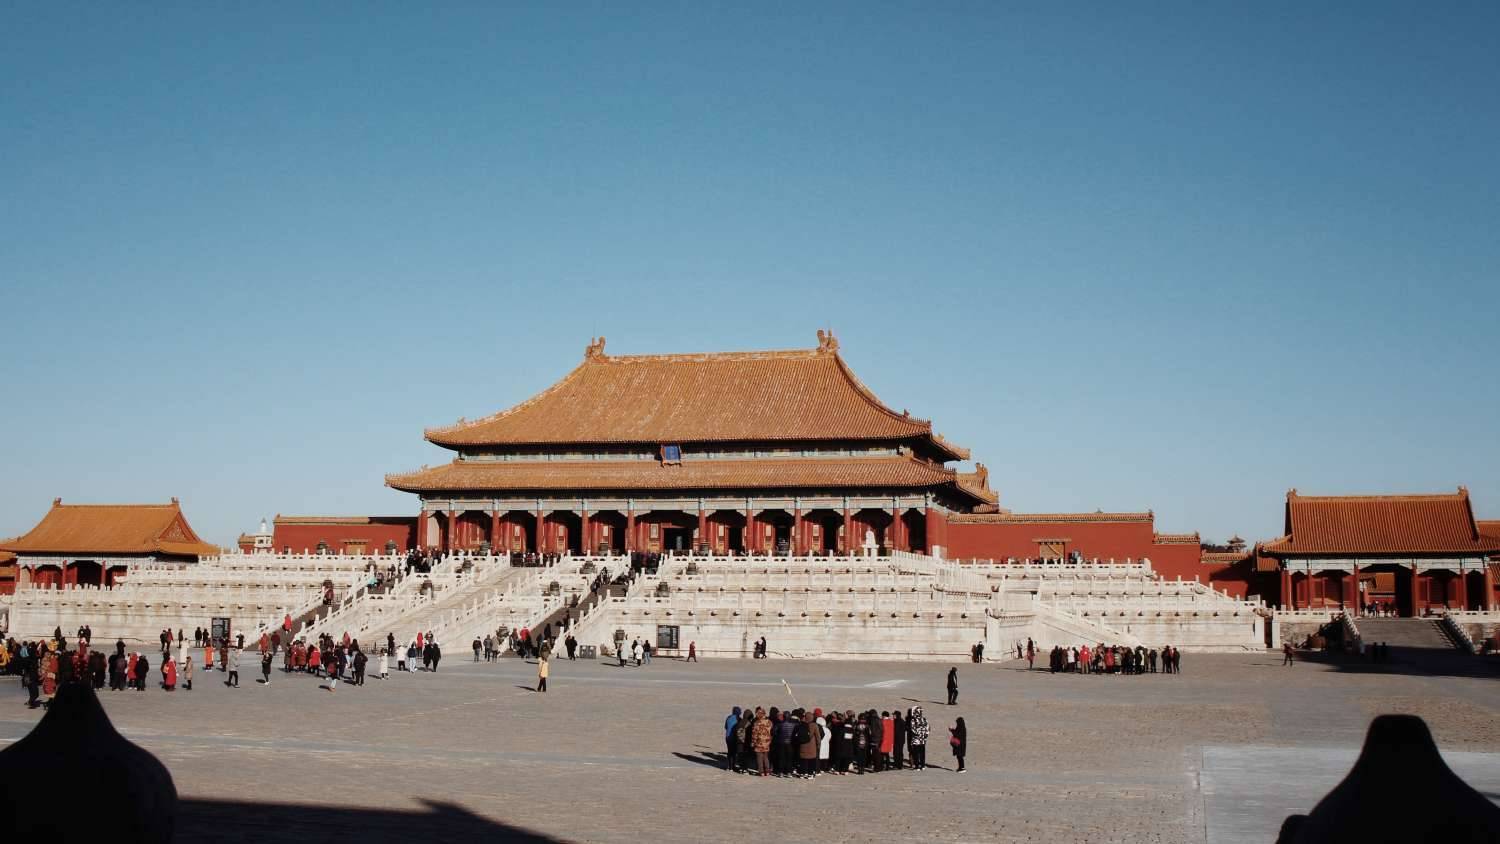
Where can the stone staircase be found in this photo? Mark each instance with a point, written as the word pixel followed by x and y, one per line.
pixel 1409 633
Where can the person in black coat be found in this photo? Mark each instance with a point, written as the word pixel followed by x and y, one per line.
pixel 898 748
pixel 953 686
pixel 959 741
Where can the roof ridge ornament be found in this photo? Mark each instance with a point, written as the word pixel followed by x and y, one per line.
pixel 595 348
pixel 827 343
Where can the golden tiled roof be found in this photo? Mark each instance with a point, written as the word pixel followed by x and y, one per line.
pixel 807 394
pixel 902 472
pixel 112 529
pixel 1224 557
pixel 1047 518
pixel 1381 524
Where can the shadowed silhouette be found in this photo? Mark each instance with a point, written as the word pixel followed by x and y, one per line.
pixel 1399 769
pixel 130 795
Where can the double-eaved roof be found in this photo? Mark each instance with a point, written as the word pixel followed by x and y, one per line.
pixel 112 529
pixel 1374 525
pixel 806 419
pixel 776 396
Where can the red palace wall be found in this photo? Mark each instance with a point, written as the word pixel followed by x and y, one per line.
pixel 1105 539
pixel 345 537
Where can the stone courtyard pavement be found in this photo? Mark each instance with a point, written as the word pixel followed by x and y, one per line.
pixel 1219 754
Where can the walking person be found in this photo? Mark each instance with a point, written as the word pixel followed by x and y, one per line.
pixel 232 654
pixel 265 668
pixel 692 652
pixel 187 674
pixel 953 686
pixel 1286 653
pixel 959 741
pixel 542 666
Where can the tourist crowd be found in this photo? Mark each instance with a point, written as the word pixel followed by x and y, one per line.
pixel 805 744
pixel 1105 659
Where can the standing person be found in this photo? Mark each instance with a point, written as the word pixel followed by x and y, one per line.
pixel 635 651
pixel 1030 656
pixel 169 675
pixel 437 652
pixel 692 651
pixel 887 740
pixel 542 665
pixel 731 741
pixel 916 730
pixel 959 741
pixel 825 740
pixel 646 651
pixel 142 668
pixel 572 645
pixel 760 741
pixel 953 686
pixel 360 661
pixel 898 740
pixel 390 643
pixel 265 668
pixel 1286 654
pixel 807 752
pixel 187 674
pixel 232 655
pixel 385 664
pixel 477 646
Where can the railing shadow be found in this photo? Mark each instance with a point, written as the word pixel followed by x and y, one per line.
pixel 250 821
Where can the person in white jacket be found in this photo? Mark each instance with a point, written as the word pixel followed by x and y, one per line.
pixel 385 663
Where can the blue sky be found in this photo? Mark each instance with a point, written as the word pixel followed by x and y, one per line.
pixel 1182 256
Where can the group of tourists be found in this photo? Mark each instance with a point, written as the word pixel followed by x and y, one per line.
pixel 1105 659
pixel 44 665
pixel 805 744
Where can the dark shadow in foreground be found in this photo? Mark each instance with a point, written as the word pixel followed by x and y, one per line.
pixel 223 820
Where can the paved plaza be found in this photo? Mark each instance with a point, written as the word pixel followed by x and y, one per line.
pixel 1220 753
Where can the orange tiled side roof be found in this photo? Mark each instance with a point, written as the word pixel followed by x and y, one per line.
pixel 1047 518
pixel 1176 539
pixel 978 483
pixel 791 473
pixel 1381 524
pixel 1224 557
pixel 693 398
pixel 112 529
pixel 1491 529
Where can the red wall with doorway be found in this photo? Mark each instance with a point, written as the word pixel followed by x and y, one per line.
pixel 304 535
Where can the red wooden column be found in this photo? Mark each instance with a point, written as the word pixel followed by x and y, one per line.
pixel 1463 589
pixel 495 532
pixel 1489 588
pixel 453 530
pixel 932 529
pixel 422 529
pixel 751 545
pixel 1288 597
pixel 797 542
pixel 1358 596
pixel 849 543
pixel 541 533
pixel 702 536
pixel 586 540
pixel 630 530
pixel 1416 592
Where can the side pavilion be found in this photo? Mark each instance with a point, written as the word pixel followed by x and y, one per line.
pixel 94 544
pixel 1414 553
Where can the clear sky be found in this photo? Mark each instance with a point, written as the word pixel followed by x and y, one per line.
pixel 1176 256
